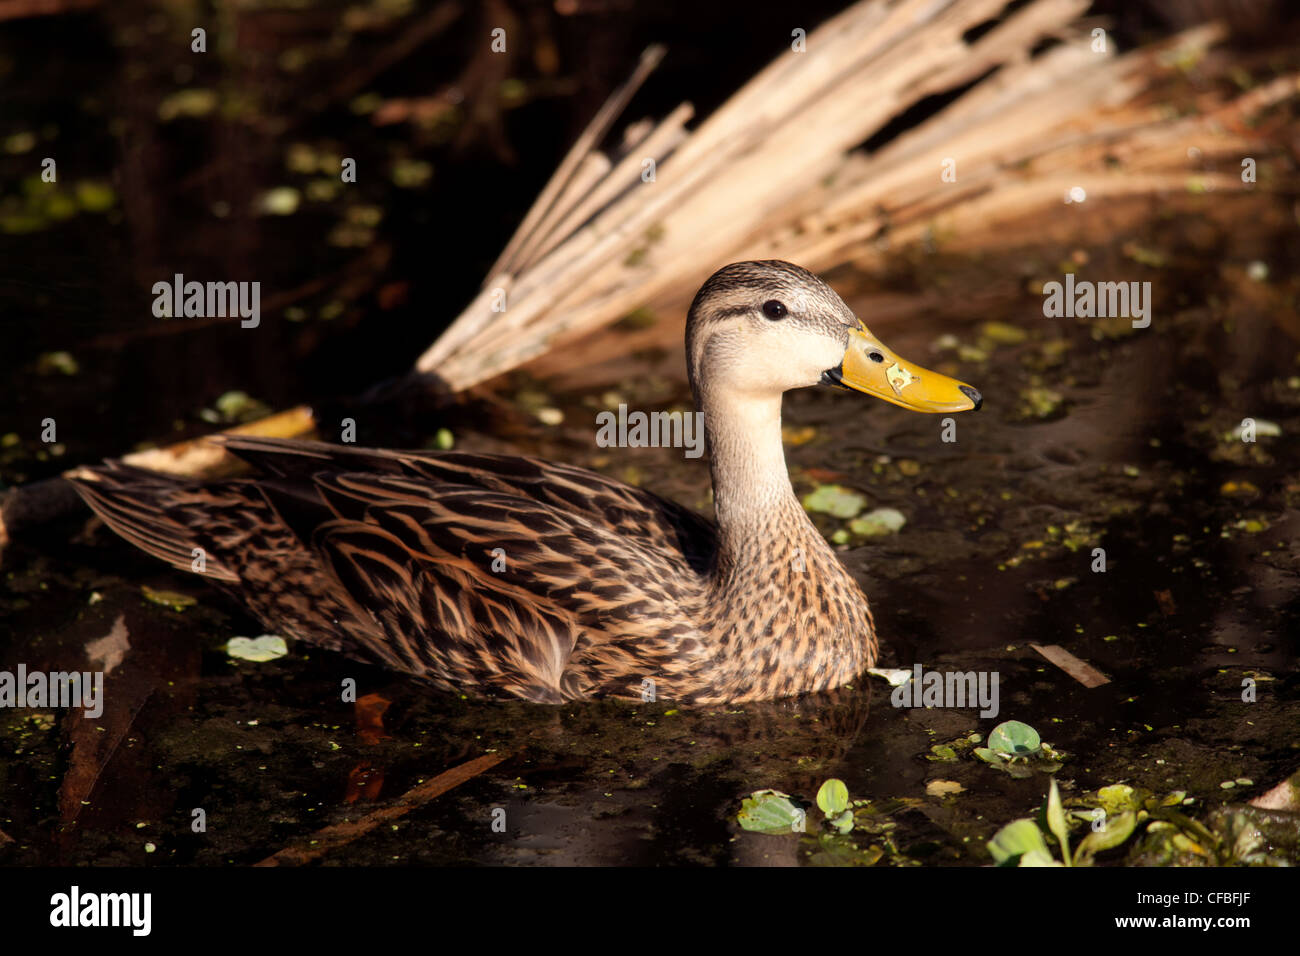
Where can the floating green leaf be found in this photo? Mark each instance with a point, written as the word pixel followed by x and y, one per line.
pixel 833 797
pixel 834 500
pixel 881 521
pixel 1117 798
pixel 769 811
pixel 1015 739
pixel 258 649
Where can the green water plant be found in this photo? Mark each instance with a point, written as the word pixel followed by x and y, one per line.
pixel 1016 748
pixel 1023 842
pixel 770 811
pixel 1113 815
pixel 833 800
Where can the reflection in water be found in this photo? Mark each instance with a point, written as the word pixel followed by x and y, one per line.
pixel 669 780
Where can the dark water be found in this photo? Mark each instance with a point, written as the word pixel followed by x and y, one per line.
pixel 1127 453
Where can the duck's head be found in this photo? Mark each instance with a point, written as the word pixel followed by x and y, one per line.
pixel 763 328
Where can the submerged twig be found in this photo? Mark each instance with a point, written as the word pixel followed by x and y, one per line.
pixel 341 834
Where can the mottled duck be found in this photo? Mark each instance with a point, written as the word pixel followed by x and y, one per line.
pixel 497 575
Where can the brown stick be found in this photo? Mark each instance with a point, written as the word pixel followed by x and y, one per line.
pixel 1080 670
pixel 340 834
pixel 200 457
pixel 586 142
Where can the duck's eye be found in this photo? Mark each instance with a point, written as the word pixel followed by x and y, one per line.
pixel 774 309
pixel 876 356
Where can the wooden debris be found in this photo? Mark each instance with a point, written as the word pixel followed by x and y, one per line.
pixel 341 834
pixel 1080 670
pixel 204 458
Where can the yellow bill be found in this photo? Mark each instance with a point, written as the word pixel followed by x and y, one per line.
pixel 871 368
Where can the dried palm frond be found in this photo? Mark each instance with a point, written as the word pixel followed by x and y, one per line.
pixel 778 170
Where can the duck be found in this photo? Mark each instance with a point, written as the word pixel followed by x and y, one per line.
pixel 502 576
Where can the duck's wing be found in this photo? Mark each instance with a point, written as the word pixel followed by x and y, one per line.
pixel 496 573
pixel 632 513
pixel 491 589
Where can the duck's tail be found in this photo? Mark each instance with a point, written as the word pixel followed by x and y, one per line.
pixel 148 509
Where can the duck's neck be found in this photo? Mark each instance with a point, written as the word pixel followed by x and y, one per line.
pixel 759 518
pixel 785 615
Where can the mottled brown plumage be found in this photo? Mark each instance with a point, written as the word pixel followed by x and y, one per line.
pixel 503 575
